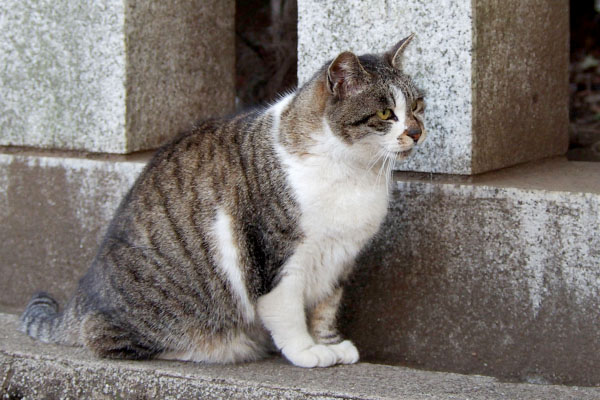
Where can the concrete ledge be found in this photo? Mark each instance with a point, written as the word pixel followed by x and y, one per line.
pixel 496 274
pixel 53 212
pixel 29 369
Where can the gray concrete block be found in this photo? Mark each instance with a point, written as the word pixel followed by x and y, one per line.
pixel 494 73
pixel 496 275
pixel 53 213
pixel 31 369
pixel 112 76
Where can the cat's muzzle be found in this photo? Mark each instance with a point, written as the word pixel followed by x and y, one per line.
pixel 414 133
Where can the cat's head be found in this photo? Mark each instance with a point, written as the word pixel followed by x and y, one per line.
pixel 372 105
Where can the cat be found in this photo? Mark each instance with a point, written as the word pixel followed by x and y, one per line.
pixel 237 237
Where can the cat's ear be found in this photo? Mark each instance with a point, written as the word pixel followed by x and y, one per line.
pixel 346 76
pixel 395 54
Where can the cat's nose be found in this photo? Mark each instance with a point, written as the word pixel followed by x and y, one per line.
pixel 414 133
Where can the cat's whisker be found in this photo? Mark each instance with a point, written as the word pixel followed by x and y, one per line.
pixel 388 175
pixel 378 156
pixel 374 161
pixel 381 168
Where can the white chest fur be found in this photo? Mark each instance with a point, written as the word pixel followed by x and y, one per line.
pixel 340 213
pixel 342 207
pixel 335 202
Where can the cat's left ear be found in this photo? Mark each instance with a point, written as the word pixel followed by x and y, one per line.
pixel 394 56
pixel 346 76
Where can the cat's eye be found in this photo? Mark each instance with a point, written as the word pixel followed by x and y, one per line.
pixel 384 114
pixel 417 105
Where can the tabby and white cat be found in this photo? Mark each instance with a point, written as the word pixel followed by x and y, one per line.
pixel 240 233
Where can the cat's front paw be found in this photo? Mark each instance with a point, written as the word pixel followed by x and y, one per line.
pixel 318 355
pixel 345 352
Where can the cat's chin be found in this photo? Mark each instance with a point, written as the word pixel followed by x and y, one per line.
pixel 401 155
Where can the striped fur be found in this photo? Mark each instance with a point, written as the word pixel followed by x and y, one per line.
pixel 237 227
pixel 40 318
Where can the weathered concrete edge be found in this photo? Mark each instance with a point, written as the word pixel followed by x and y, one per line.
pixel 494 275
pixel 30 369
pixel 553 174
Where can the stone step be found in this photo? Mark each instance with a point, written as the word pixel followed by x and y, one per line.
pixel 495 274
pixel 54 209
pixel 32 370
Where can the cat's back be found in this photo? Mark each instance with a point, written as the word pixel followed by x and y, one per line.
pixel 212 146
pixel 201 167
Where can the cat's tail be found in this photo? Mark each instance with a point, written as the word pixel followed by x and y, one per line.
pixel 41 319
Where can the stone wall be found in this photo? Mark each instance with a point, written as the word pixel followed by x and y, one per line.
pixel 495 275
pixel 54 212
pixel 494 72
pixel 111 76
pixel 489 274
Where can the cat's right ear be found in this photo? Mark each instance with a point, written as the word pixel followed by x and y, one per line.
pixel 395 54
pixel 346 76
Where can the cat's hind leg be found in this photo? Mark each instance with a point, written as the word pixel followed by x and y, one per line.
pixel 323 328
pixel 236 346
pixel 107 338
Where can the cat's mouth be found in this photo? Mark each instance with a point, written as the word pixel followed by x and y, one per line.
pixel 403 154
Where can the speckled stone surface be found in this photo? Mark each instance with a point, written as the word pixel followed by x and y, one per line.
pixel 497 275
pixel 30 369
pixel 112 76
pixel 520 82
pixel 54 212
pixel 494 274
pixel 490 70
